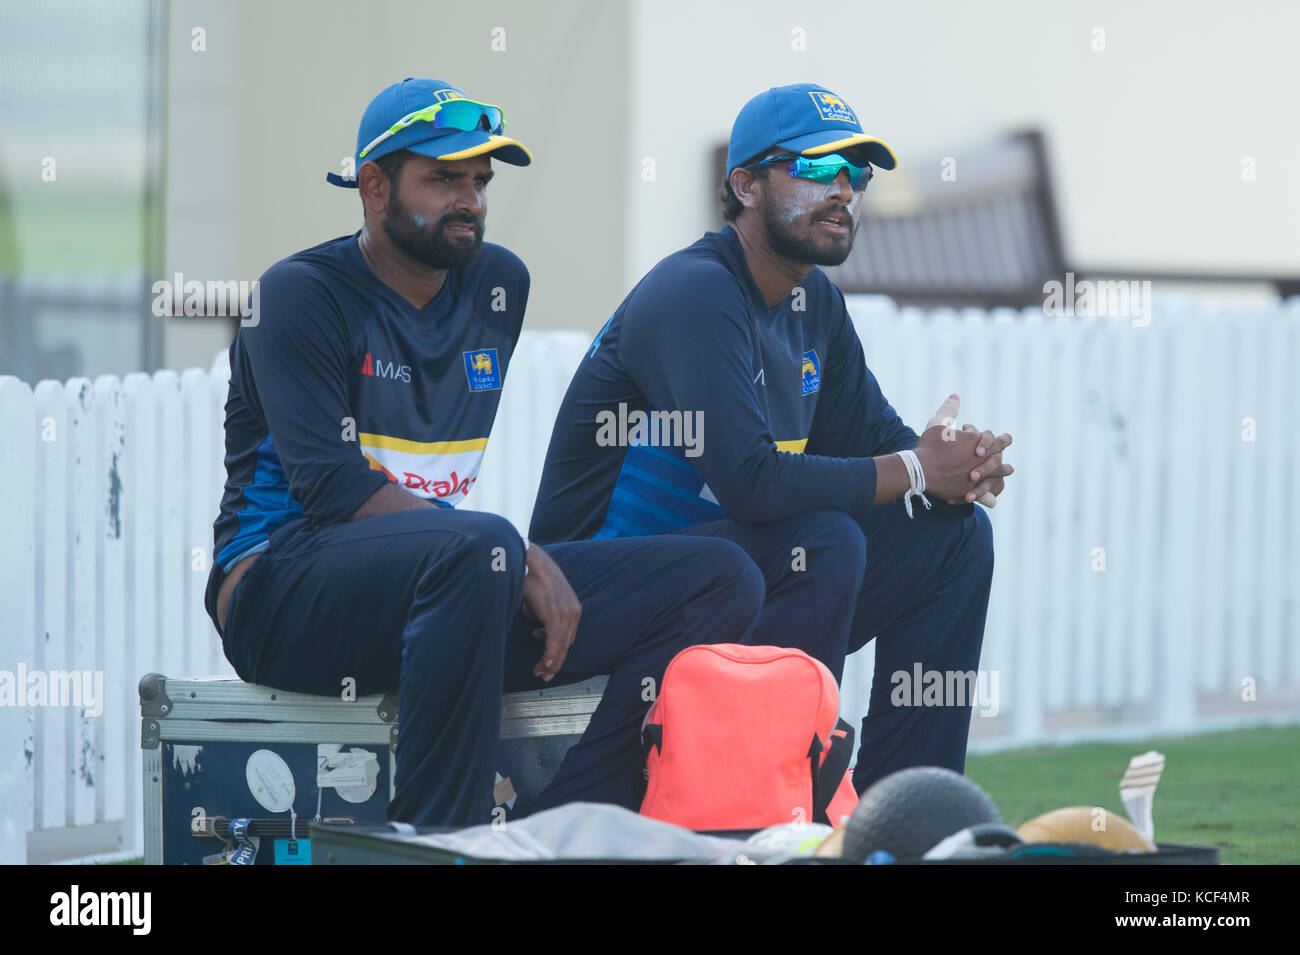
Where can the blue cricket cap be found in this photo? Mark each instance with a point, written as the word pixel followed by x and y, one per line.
pixel 808 120
pixel 408 96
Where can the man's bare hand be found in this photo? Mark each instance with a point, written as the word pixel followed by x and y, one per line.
pixel 549 599
pixel 962 466
pixel 990 474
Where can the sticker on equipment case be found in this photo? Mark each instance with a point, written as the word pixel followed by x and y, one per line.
pixel 293 852
pixel 354 774
pixel 270 780
pixel 504 792
pixel 246 846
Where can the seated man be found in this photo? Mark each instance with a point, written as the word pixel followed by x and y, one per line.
pixel 361 397
pixel 779 438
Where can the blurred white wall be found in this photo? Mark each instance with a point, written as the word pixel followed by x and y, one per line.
pixel 1152 139
pixel 273 103
pixel 1147 138
pixel 203 168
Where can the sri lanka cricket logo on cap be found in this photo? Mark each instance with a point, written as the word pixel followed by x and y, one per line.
pixel 482 369
pixel 832 107
pixel 810 372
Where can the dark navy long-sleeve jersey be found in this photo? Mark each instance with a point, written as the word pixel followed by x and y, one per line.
pixel 343 385
pixel 789 414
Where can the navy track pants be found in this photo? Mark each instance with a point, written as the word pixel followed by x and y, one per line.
pixel 421 602
pixel 918 586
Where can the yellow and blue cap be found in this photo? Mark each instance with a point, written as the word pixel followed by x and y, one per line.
pixel 808 120
pixel 412 94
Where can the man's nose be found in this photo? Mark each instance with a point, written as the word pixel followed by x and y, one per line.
pixel 470 199
pixel 841 187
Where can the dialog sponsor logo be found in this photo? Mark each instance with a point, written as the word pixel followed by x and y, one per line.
pixel 441 488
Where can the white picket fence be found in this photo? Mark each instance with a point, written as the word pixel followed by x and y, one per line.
pixel 1147 553
pixel 1147 574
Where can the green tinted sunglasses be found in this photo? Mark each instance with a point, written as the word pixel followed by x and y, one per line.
pixel 464 115
pixel 823 169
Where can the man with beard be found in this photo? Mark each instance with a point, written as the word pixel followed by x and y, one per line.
pixel 796 455
pixel 361 398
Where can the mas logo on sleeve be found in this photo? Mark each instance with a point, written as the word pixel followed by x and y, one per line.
pixel 482 369
pixel 810 372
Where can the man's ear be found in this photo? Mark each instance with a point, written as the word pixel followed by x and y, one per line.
pixel 745 185
pixel 373 186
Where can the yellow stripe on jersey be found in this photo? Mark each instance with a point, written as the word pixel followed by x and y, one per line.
pixel 794 447
pixel 386 443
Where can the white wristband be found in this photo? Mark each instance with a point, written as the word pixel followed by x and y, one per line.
pixel 915 480
pixel 525 556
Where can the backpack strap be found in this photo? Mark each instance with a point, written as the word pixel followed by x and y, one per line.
pixel 652 734
pixel 828 774
pixel 814 759
pixel 652 737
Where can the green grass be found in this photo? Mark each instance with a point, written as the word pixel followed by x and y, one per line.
pixel 66 229
pixel 1239 791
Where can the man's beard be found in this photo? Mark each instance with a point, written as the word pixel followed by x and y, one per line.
pixel 430 244
pixel 785 242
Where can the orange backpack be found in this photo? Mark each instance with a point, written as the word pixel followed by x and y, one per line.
pixel 745 738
